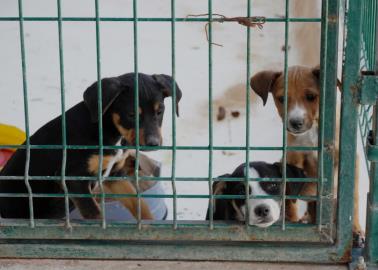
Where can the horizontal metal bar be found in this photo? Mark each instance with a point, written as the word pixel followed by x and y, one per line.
pixel 42 223
pixel 154 148
pixel 131 19
pixel 173 251
pixel 153 178
pixel 167 196
pixel 189 231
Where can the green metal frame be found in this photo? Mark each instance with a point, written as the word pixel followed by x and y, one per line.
pixel 369 122
pixel 329 240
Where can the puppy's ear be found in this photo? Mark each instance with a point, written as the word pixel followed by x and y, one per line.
pixel 294 188
pixel 262 83
pixel 294 172
pixel 111 88
pixel 166 84
pixel 219 205
pixel 220 186
pixel 316 73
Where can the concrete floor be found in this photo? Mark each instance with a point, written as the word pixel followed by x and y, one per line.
pixel 155 265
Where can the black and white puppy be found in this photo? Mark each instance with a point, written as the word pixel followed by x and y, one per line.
pixel 262 212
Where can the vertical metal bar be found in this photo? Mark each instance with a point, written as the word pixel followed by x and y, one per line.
pixel 284 129
pixel 323 65
pixel 63 106
pixel 210 175
pixel 348 126
pixel 364 24
pixel 26 112
pixel 247 123
pixel 371 249
pixel 369 33
pixel 136 110
pixel 327 117
pixel 99 100
pixel 173 55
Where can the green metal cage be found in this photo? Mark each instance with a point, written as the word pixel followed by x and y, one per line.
pixel 327 241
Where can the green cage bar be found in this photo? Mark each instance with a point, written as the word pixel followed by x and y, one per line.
pixel 124 19
pixel 63 105
pixel 284 126
pixel 247 111
pixel 173 60
pixel 136 110
pixel 99 103
pixel 210 97
pixel 26 111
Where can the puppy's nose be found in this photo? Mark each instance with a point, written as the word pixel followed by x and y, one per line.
pixel 152 141
pixel 262 210
pixel 296 123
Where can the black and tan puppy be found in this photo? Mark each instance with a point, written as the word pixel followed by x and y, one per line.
pixel 118 120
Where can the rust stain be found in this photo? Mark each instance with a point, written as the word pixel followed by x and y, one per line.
pixel 221 113
pixel 332 19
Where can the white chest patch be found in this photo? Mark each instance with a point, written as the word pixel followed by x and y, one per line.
pixel 116 158
pixel 308 138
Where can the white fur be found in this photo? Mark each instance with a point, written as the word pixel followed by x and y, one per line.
pixel 298 112
pixel 308 138
pixel 253 203
pixel 116 158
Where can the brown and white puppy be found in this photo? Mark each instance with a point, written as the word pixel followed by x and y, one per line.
pixel 125 166
pixel 302 125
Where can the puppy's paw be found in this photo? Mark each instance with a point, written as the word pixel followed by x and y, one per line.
pixel 306 219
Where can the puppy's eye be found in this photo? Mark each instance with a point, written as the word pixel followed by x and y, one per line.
pixel 271 187
pixel 274 186
pixel 131 115
pixel 160 112
pixel 241 192
pixel 281 99
pixel 310 97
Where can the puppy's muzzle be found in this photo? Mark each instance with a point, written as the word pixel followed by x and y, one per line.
pixel 264 213
pixel 298 126
pixel 153 140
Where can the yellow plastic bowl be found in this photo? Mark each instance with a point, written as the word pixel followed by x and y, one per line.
pixel 11 135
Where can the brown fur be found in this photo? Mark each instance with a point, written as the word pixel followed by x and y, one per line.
pixel 121 187
pixel 128 134
pixel 301 81
pixel 125 187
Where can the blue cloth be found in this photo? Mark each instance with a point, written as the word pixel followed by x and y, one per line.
pixel 115 211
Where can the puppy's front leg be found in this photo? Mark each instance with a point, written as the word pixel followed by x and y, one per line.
pixel 125 187
pixel 88 207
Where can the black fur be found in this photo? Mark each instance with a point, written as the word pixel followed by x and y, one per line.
pixel 82 129
pixel 223 208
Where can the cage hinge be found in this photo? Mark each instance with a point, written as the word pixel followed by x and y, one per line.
pixel 368 89
pixel 371 148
